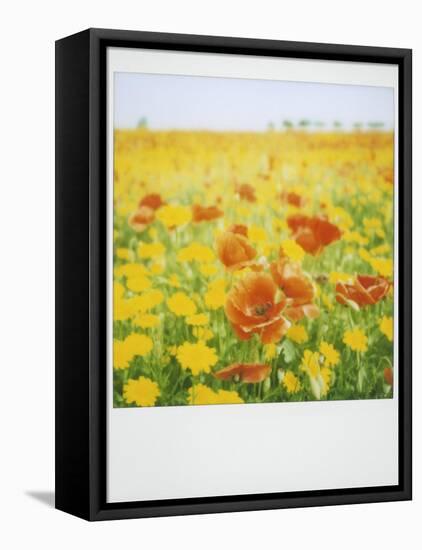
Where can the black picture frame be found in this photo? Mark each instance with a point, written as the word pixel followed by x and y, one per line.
pixel 81 272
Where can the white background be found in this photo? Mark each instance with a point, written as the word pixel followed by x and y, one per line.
pixel 26 290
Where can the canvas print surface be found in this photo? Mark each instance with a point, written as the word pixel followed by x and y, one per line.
pixel 253 241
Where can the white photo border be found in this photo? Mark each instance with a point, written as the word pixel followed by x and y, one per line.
pixel 204 451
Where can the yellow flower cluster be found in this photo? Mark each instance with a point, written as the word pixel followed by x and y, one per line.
pixel 199 394
pixel 319 377
pixel 125 350
pixel 356 340
pixel 197 357
pixel 143 392
pixel 180 304
pixel 196 252
pixel 298 334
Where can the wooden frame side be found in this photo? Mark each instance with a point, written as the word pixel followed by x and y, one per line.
pixel 72 416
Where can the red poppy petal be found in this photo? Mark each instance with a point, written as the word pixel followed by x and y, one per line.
pixel 311 311
pixel 241 334
pixel 275 331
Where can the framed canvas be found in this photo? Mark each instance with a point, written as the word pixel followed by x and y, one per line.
pixel 233 274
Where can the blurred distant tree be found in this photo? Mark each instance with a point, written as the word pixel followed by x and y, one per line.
pixel 357 125
pixel 337 124
pixel 319 124
pixel 375 125
pixel 287 124
pixel 143 122
pixel 270 127
pixel 304 123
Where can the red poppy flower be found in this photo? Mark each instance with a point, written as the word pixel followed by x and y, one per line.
pixel 239 228
pixel 140 219
pixel 293 199
pixel 205 213
pixel 251 308
pixel 297 287
pixel 153 200
pixel 246 192
pixel 313 234
pixel 388 375
pixel 244 372
pixel 234 250
pixel 366 290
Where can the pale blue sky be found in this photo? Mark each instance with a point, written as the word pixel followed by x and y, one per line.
pixel 192 102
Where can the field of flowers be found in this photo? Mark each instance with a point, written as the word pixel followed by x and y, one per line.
pixel 252 267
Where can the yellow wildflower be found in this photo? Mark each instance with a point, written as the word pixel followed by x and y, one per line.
pixel 381 249
pixel 215 296
pixel 130 270
pixel 374 226
pixel 355 237
pixel 372 223
pixel 174 281
pixel 293 250
pixel 180 304
pixel 291 382
pixel 298 334
pixel 337 277
pixel 319 378
pixel 356 340
pixel 226 397
pixel 125 350
pixel 124 253
pixel 208 269
pixel 364 254
pixel 197 320
pixel 118 290
pixel 203 333
pixel 326 375
pixel 257 234
pixel 243 212
pixel 340 217
pixel 386 327
pixel 150 250
pixel 122 309
pixel 143 392
pixel 121 355
pixel 383 266
pixel 196 252
pixel 146 301
pixel 138 284
pixel 327 301
pixel 174 215
pixel 310 363
pixel 197 357
pixel 200 394
pixel 331 355
pixel 280 225
pixel 270 351
pixel 152 233
pixel 146 320
pixel 157 268
pixel 138 344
